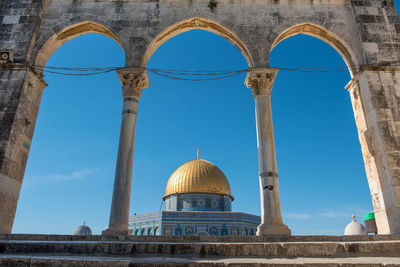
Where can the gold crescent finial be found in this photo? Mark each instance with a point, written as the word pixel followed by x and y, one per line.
pixel 198 152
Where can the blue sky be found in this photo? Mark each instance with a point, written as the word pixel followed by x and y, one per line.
pixel 70 171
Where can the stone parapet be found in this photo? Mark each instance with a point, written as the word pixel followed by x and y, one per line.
pixel 215 239
pixel 204 247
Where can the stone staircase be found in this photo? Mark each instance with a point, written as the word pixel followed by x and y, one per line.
pixel 66 250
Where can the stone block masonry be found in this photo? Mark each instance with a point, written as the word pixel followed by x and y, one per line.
pixel 365 32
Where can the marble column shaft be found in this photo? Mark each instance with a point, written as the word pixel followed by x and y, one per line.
pixel 133 81
pixel 260 81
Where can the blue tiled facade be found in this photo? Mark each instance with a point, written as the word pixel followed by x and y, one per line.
pixel 197 202
pixel 218 223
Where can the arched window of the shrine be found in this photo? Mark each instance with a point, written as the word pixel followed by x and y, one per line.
pixel 252 232
pixel 178 231
pixel 316 138
pixel 180 204
pixel 214 231
pixel 208 202
pixel 202 233
pixel 167 230
pixel 189 231
pixel 137 232
pixel 143 232
pixel 224 231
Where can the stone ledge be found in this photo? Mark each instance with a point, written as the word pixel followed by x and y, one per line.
pixel 132 238
pixel 62 260
pixel 205 249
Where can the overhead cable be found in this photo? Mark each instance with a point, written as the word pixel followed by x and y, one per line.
pixel 184 75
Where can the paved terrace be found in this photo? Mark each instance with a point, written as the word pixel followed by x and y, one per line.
pixel 67 250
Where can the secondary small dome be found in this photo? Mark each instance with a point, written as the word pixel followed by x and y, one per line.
pixel 83 230
pixel 198 176
pixel 355 228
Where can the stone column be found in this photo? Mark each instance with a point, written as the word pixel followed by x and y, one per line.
pixel 260 81
pixel 133 81
pixel 376 105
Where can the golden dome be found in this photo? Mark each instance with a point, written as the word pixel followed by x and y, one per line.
pixel 198 176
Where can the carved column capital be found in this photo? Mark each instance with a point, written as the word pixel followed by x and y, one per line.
pixel 260 80
pixel 133 80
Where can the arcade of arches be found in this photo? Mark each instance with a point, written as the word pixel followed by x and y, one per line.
pixel 365 33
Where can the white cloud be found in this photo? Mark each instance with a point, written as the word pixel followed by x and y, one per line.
pixel 344 212
pixel 57 177
pixel 298 216
pixel 75 175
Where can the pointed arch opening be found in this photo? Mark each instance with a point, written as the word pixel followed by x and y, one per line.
pixel 69 33
pixel 199 24
pixel 66 119
pixel 317 144
pixel 325 35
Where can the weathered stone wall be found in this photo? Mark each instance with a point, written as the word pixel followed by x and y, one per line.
pixel 375 93
pixel 138 24
pixel 364 32
pixel 20 95
pixel 379 30
pixel 375 97
pixel 20 21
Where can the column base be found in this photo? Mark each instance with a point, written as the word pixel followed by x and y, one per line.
pixel 115 232
pixel 273 229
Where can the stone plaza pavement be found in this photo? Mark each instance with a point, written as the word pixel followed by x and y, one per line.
pixel 66 250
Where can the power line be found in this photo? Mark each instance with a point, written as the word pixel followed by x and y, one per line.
pixel 183 75
pixel 215 75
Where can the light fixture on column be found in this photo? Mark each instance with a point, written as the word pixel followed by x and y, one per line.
pixel 6 57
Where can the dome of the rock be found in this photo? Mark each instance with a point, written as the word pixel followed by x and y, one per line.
pixel 198 176
pixel 198 201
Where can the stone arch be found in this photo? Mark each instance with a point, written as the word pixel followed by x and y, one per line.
pixel 69 33
pixel 224 231
pixel 325 35
pixel 200 24
pixel 235 231
pixel 214 231
pixel 202 233
pixel 189 231
pixel 253 231
pixel 178 231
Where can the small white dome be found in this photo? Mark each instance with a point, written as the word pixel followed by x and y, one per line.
pixel 83 230
pixel 355 228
